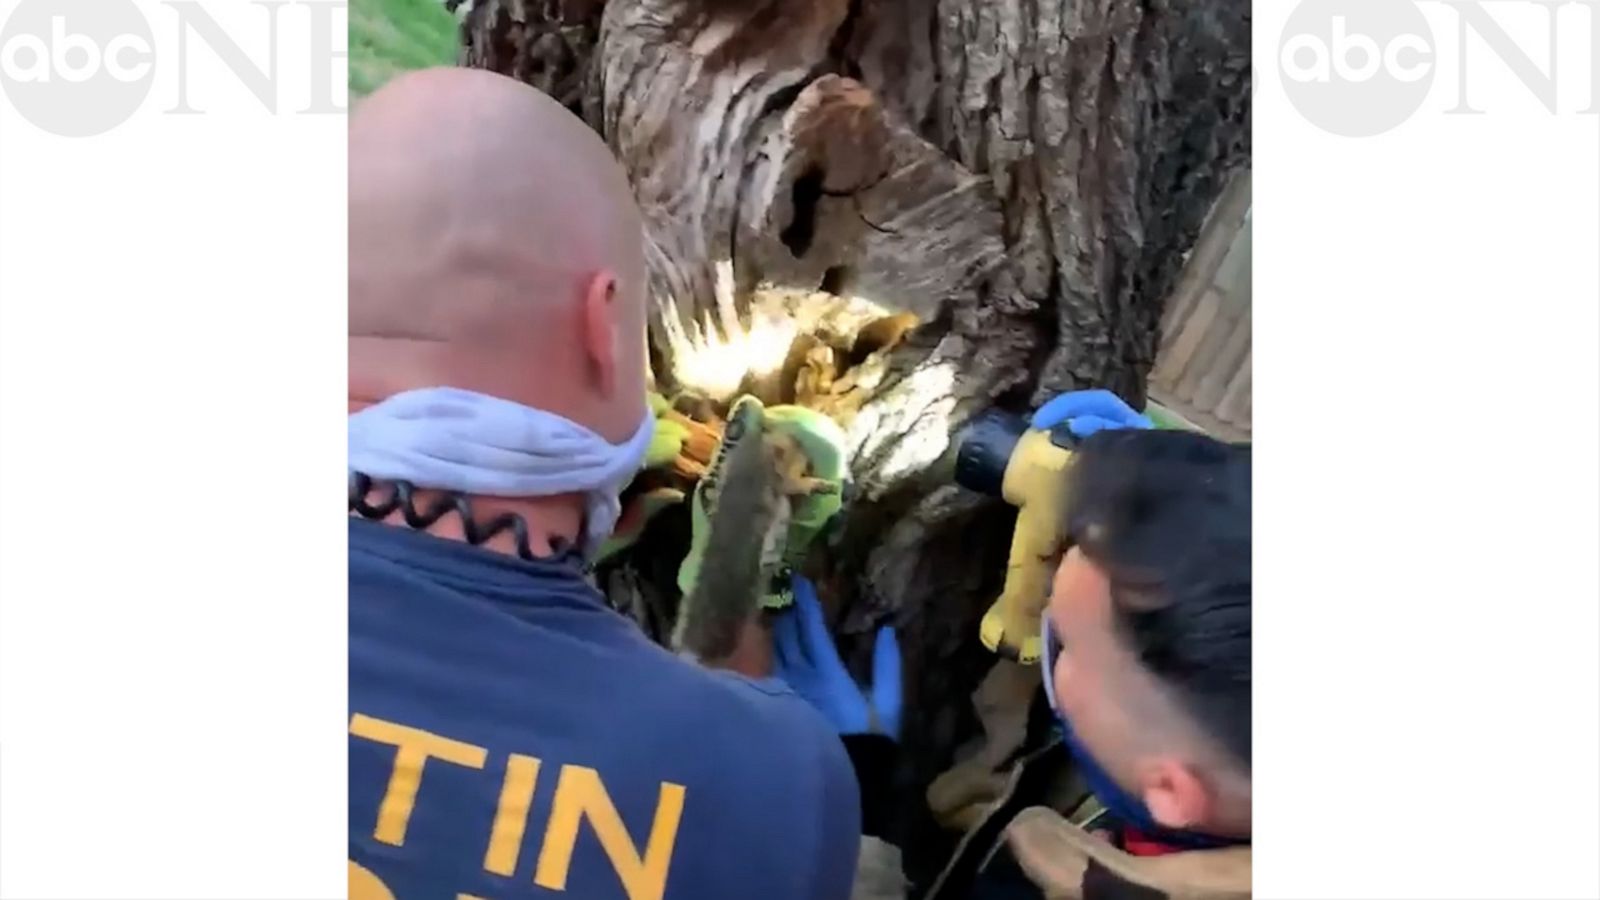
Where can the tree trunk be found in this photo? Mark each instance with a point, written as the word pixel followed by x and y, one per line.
pixel 1022 176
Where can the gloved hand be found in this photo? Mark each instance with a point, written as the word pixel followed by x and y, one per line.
pixel 807 660
pixel 1087 412
pixel 823 443
pixel 669 437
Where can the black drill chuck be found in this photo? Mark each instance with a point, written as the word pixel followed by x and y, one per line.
pixel 984 449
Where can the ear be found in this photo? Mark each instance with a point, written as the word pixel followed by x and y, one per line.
pixel 600 330
pixel 1174 793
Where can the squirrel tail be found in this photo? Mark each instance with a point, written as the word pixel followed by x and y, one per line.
pixel 747 506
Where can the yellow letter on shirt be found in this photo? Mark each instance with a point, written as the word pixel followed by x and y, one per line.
pixel 511 814
pixel 366 886
pixel 580 794
pixel 413 746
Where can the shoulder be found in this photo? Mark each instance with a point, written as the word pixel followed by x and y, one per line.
pixel 775 716
pixel 754 730
pixel 784 733
pixel 774 754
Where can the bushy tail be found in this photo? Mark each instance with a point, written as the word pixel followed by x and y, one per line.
pixel 744 509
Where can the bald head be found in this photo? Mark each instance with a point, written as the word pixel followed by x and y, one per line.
pixel 494 246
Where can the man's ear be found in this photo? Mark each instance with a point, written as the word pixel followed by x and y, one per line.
pixel 600 330
pixel 1174 793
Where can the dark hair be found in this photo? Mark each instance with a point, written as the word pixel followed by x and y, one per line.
pixel 1166 515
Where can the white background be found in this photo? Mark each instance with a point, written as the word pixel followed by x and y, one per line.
pixel 172 592
pixel 1427 415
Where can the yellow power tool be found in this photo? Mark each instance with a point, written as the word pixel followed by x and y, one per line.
pixel 999 455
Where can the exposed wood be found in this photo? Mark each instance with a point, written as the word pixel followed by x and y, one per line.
pixel 1202 367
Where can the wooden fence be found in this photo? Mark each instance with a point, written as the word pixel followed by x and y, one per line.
pixel 1202 370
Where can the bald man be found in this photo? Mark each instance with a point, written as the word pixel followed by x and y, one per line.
pixel 510 735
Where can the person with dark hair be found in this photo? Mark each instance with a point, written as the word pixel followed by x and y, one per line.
pixel 1155 594
pixel 1147 660
pixel 1146 668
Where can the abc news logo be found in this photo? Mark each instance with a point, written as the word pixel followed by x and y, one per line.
pixel 1355 57
pixel 74 57
pixel 78 68
pixel 1357 68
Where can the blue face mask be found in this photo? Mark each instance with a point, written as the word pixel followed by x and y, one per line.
pixel 449 439
pixel 1122 806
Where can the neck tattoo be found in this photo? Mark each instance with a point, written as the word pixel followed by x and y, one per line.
pixel 377 501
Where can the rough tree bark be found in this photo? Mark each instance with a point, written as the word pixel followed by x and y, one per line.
pixel 1025 176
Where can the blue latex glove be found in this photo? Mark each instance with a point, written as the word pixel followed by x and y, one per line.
pixel 808 662
pixel 1087 412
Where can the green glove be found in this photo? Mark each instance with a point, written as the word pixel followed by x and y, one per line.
pixel 823 443
pixel 667 441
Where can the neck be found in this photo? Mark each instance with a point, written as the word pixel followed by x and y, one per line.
pixel 551 521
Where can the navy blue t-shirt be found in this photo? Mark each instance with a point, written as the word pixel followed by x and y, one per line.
pixel 511 736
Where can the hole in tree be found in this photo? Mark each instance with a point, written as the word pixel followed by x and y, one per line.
pixel 803 198
pixel 837 279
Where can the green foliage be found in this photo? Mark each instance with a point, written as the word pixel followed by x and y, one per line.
pixel 388 37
